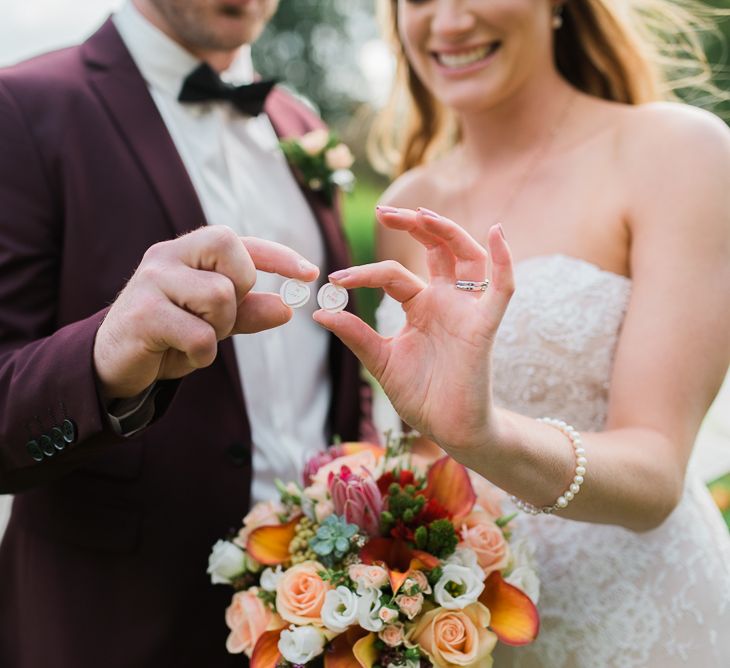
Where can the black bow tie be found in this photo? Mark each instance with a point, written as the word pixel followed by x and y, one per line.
pixel 203 85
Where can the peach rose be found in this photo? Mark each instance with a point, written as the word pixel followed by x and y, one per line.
pixel 314 142
pixel 456 637
pixel 410 606
pixel 248 617
pixel 368 576
pixel 339 157
pixel 416 579
pixel 488 543
pixel 262 514
pixel 301 594
pixel 392 635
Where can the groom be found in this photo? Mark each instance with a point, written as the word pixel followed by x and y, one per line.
pixel 131 438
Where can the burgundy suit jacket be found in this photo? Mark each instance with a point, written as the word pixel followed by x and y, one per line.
pixel 103 562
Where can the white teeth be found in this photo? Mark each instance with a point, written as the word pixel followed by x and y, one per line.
pixel 465 57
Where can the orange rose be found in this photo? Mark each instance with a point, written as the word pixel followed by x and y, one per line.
pixel 456 637
pixel 488 543
pixel 248 617
pixel 301 594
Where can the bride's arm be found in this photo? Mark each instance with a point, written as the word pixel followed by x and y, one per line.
pixel 671 357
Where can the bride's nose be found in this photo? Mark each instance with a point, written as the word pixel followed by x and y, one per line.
pixel 451 18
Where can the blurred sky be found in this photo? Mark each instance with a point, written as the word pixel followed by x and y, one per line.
pixel 29 27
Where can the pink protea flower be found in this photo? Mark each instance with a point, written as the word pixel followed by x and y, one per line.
pixel 319 460
pixel 357 498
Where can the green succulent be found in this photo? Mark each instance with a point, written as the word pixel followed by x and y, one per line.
pixel 333 539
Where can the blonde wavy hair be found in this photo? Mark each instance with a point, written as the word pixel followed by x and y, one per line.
pixel 630 51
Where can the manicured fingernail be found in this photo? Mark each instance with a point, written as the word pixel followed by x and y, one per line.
pixel 339 275
pixel 306 265
pixel 501 231
pixel 428 213
pixel 386 209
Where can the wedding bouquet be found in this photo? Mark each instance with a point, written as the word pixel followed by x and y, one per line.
pixel 379 559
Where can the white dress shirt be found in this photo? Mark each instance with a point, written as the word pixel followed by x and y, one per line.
pixel 242 180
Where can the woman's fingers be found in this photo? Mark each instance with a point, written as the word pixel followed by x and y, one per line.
pixel 471 258
pixel 369 347
pixel 389 275
pixel 441 262
pixel 503 281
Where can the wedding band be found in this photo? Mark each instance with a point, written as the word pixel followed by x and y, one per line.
pixel 473 286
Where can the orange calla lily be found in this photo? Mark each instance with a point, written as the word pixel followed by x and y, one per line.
pixel 266 653
pixel 365 652
pixel 269 545
pixel 514 617
pixel 340 653
pixel 448 483
pixel 355 447
pixel 397 557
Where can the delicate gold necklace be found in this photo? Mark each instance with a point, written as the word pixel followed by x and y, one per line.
pixel 532 164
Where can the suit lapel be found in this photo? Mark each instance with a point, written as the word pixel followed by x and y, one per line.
pixel 117 82
pixel 121 89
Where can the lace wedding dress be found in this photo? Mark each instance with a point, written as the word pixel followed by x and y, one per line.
pixel 609 597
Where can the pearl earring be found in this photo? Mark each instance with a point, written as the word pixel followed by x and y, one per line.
pixel 557 21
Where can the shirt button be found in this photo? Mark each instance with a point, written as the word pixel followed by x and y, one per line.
pixel 68 429
pixel 59 442
pixel 47 445
pixel 34 450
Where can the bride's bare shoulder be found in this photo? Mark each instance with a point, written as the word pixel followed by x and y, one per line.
pixel 419 187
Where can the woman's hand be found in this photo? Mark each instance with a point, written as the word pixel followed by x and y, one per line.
pixel 437 370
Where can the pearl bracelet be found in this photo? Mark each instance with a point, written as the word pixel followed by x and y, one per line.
pixel 580 470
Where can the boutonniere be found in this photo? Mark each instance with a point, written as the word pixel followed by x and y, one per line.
pixel 321 161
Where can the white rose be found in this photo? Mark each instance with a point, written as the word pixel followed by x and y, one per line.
pixel 368 609
pixel 523 554
pixel 339 609
pixel 524 578
pixel 465 556
pixel 270 578
pixel 315 141
pixel 300 644
pixel 468 586
pixel 226 561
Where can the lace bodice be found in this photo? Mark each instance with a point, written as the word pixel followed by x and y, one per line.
pixel 610 597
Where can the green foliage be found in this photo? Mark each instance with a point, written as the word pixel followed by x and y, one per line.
pixel 442 538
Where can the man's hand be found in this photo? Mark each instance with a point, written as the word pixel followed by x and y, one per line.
pixel 186 295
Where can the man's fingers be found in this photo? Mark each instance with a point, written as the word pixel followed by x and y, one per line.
pixel 276 258
pixel 259 311
pixel 212 248
pixel 369 347
pixel 389 275
pixel 206 294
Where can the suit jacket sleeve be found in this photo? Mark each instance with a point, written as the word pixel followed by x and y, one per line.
pixel 47 378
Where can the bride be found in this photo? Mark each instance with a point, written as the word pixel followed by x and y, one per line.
pixel 616 208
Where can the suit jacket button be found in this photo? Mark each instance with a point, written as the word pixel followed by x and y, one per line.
pixel 238 454
pixel 47 445
pixel 34 450
pixel 59 442
pixel 68 429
